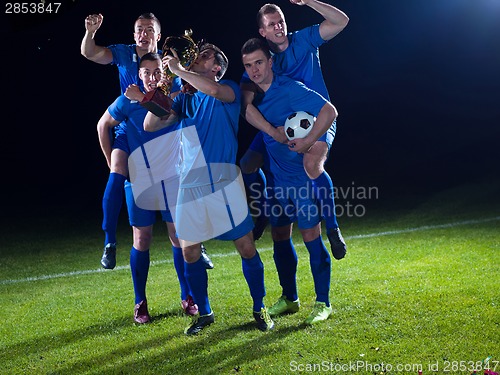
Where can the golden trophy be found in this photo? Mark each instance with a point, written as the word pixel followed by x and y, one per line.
pixel 158 101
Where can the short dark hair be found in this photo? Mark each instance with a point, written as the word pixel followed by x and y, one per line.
pixel 255 44
pixel 267 9
pixel 220 57
pixel 150 56
pixel 150 16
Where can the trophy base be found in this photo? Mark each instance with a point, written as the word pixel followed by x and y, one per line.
pixel 157 103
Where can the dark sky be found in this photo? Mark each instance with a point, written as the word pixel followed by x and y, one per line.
pixel 416 84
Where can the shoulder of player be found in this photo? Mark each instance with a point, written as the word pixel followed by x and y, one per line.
pixel 126 104
pixel 305 35
pixel 282 80
pixel 123 47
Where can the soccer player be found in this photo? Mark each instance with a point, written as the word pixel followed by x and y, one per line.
pixel 280 97
pixel 126 112
pixel 296 55
pixel 127 57
pixel 209 125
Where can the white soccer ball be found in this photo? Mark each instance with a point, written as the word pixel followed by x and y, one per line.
pixel 299 124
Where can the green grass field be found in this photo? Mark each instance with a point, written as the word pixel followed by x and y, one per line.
pixel 419 289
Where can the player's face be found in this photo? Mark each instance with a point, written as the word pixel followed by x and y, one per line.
pixel 146 35
pixel 150 74
pixel 258 67
pixel 205 62
pixel 274 28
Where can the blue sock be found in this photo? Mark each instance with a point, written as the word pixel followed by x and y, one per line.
pixel 179 269
pixel 256 184
pixel 111 204
pixel 286 262
pixel 320 262
pixel 197 278
pixel 139 267
pixel 324 192
pixel 253 270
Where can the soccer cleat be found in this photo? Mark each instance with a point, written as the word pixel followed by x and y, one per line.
pixel 189 307
pixel 259 227
pixel 337 243
pixel 108 260
pixel 320 312
pixel 198 323
pixel 263 319
pixel 141 314
pixel 204 256
pixel 284 305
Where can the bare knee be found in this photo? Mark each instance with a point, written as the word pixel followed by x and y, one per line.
pixel 310 234
pixel 172 235
pixel 246 246
pixel 191 253
pixel 314 160
pixel 281 233
pixel 142 237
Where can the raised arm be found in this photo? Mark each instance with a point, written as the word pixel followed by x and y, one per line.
pixel 335 20
pixel 88 48
pixel 224 93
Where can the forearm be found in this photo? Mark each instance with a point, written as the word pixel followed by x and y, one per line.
pixel 88 45
pixel 207 86
pixel 154 123
pixel 93 52
pixel 335 19
pixel 255 118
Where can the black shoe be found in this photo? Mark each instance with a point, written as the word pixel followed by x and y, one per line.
pixel 337 243
pixel 198 323
pixel 263 319
pixel 108 260
pixel 204 256
pixel 259 227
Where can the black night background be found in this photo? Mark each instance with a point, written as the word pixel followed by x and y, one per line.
pixel 416 84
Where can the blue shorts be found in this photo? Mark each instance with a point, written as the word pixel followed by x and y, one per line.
pixel 289 204
pixel 120 139
pixel 139 217
pixel 258 145
pixel 238 231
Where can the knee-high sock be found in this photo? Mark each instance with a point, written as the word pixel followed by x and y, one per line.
pixel 253 270
pixel 139 266
pixel 179 269
pixel 256 184
pixel 111 204
pixel 197 279
pixel 320 262
pixel 323 191
pixel 285 259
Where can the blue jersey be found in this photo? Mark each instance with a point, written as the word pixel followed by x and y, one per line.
pixel 126 59
pixel 210 135
pixel 131 116
pixel 153 158
pixel 284 97
pixel 300 61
